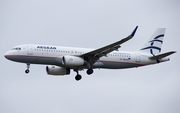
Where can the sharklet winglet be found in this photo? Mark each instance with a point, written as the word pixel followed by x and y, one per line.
pixel 134 31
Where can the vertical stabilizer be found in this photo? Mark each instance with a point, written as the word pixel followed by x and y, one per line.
pixel 153 45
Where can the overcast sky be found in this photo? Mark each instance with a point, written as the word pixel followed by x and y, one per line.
pixel 90 24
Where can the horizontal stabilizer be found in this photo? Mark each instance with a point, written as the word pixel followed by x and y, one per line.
pixel 162 55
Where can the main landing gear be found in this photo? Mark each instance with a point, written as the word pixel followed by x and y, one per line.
pixel 89 71
pixel 27 70
pixel 79 77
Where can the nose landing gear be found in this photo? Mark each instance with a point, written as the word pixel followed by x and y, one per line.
pixel 27 70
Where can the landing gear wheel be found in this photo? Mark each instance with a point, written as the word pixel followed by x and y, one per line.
pixel 27 71
pixel 78 77
pixel 89 71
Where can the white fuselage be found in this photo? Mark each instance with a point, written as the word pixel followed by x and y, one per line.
pixel 65 59
pixel 52 55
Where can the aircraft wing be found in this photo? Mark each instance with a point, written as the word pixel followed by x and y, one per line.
pixel 94 55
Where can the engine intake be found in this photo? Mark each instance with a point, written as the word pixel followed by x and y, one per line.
pixel 72 61
pixel 55 70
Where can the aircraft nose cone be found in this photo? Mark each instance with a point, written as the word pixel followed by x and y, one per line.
pixel 7 55
pixel 10 56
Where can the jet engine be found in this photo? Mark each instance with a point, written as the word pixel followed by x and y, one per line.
pixel 72 61
pixel 56 70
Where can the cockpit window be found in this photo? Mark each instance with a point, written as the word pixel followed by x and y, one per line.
pixel 16 48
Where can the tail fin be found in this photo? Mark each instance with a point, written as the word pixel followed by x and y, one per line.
pixel 153 45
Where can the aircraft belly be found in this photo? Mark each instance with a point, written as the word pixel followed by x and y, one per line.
pixel 48 61
pixel 34 60
pixel 98 65
pixel 114 65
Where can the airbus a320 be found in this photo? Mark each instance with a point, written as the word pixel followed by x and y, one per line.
pixel 61 60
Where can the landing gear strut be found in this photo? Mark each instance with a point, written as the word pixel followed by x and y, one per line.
pixel 78 76
pixel 27 70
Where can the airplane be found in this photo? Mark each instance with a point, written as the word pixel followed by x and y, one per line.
pixel 61 60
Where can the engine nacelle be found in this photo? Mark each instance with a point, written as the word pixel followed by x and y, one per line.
pixel 55 70
pixel 72 61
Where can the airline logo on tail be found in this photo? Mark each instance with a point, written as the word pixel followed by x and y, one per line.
pixel 153 45
pixel 152 42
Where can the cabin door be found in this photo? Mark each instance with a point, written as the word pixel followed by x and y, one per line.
pixel 29 50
